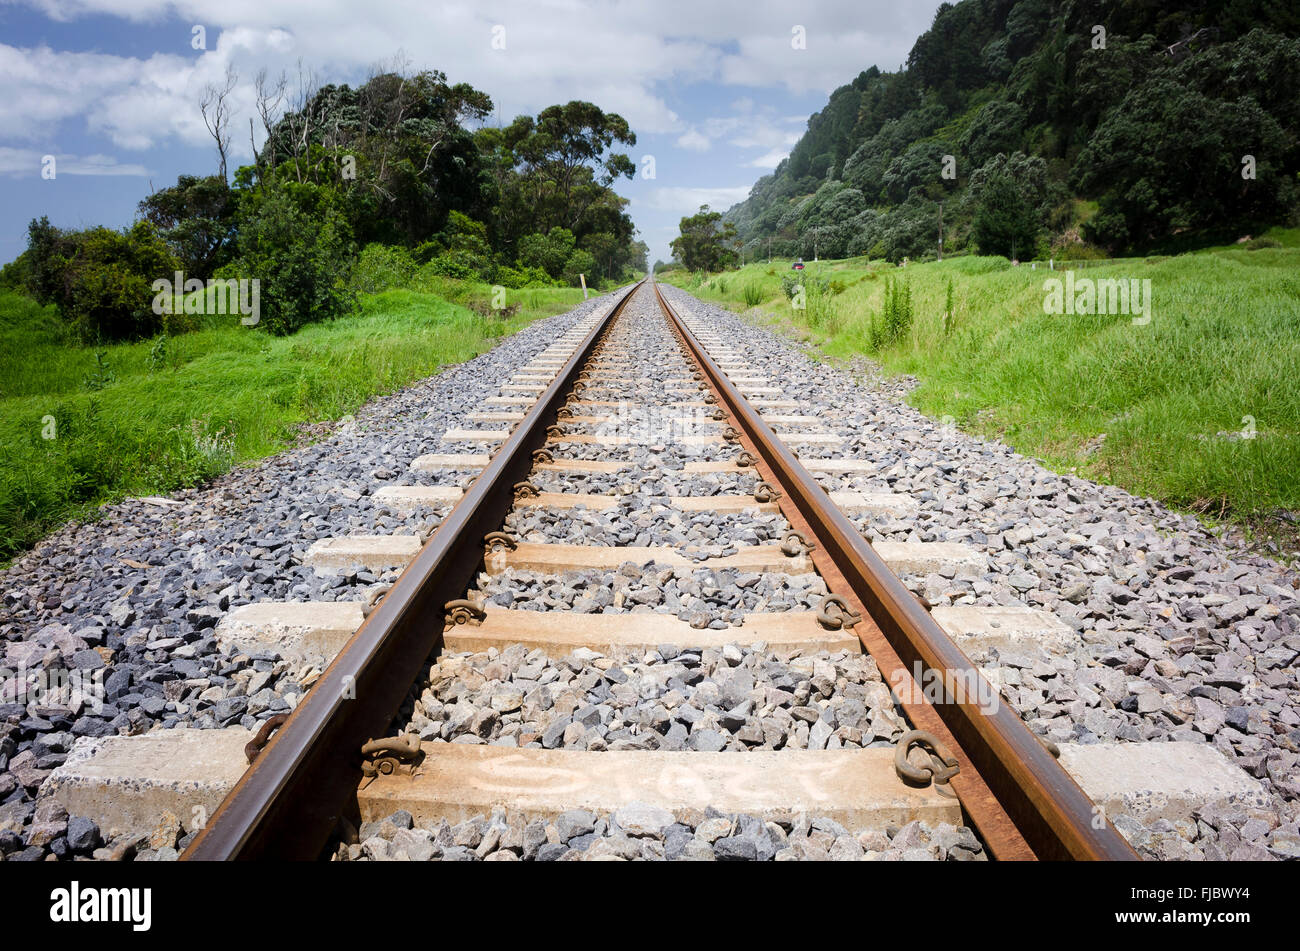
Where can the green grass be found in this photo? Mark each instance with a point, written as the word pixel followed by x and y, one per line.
pixel 1223 344
pixel 145 418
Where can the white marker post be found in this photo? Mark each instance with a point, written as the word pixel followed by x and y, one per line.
pixel 583 279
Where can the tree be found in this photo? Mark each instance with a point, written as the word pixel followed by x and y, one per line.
pixel 396 147
pixel 215 108
pixel 565 159
pixel 702 244
pixel 1005 223
pixel 196 217
pixel 294 241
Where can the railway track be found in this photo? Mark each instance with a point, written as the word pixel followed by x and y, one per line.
pixel 633 528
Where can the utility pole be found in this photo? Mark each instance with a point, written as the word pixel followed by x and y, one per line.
pixel 940 230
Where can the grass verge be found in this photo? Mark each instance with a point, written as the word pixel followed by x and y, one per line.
pixel 1199 408
pixel 80 426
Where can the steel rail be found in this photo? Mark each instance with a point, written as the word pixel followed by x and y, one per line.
pixel 289 802
pixel 1017 795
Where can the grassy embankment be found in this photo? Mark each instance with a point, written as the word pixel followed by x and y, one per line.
pixel 1158 409
pixel 147 417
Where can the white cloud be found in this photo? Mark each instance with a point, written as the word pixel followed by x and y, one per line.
pixel 615 54
pixel 695 141
pixel 25 163
pixel 771 160
pixel 685 200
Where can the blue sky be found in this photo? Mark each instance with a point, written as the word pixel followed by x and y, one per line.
pixel 717 92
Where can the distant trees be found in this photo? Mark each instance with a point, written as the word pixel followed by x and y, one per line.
pixel 703 244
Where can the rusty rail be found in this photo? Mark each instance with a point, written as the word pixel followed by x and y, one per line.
pixel 1024 804
pixel 289 802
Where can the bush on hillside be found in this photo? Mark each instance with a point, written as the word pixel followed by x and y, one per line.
pixel 99 279
pixel 302 261
pixel 382 267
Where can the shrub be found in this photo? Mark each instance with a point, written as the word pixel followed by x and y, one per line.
pixel 897 316
pixel 452 264
pixel 549 251
pixel 753 294
pixel 517 277
pixel 99 279
pixel 579 262
pixel 382 267
pixel 302 261
pixel 1256 243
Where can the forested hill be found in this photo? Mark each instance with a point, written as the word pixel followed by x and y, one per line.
pixel 1074 127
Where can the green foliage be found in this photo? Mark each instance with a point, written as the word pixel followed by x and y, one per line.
pixel 381 267
pixel 456 264
pixel 301 258
pixel 998 127
pixel 548 252
pixel 395 149
pixel 100 280
pixel 753 295
pixel 158 354
pixel 518 277
pixel 1151 130
pixel 578 263
pixel 100 376
pixel 196 217
pixel 895 320
pixel 1170 158
pixel 553 176
pixel 702 244
pixel 1005 222
pixel 17 274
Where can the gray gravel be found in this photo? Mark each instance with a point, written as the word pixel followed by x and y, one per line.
pixel 738 698
pixel 642 832
pixel 706 597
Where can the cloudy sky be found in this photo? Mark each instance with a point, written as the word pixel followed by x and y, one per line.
pixel 716 91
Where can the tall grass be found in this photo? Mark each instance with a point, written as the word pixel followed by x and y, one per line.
pixel 1158 408
pixel 80 426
